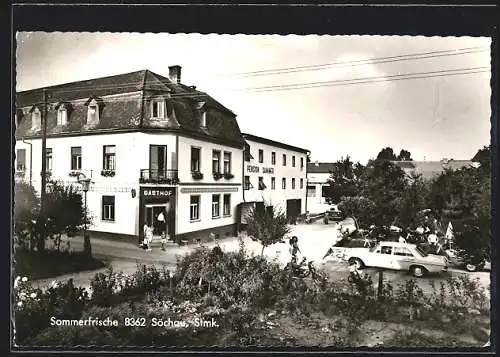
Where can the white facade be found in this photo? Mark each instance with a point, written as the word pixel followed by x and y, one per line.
pixel 207 186
pixel 293 172
pixel 132 154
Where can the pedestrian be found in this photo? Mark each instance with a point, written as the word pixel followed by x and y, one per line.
pixel 294 247
pixel 163 240
pixel 308 217
pixel 149 238
pixel 144 231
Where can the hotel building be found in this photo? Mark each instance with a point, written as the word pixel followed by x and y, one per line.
pixel 158 152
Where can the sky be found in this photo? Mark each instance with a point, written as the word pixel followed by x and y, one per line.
pixel 444 116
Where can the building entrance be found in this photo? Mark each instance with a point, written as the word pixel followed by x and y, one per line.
pixel 156 217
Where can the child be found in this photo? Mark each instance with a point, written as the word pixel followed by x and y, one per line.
pixel 149 238
pixel 163 241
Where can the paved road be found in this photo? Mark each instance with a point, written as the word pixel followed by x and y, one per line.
pixel 314 241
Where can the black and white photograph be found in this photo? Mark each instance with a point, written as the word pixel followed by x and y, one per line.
pixel 219 190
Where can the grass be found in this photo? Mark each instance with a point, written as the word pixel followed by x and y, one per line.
pixel 53 263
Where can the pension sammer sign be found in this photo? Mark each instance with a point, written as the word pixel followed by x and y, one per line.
pixel 256 169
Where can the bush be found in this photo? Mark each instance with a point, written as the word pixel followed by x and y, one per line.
pixel 109 288
pixel 34 307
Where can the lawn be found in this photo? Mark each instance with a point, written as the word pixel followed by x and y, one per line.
pixel 53 263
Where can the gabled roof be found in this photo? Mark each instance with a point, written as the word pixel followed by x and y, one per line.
pixel 270 142
pixel 320 167
pixel 128 112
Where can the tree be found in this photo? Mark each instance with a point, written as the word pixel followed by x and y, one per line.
pixel 267 226
pixel 26 211
pixel 483 157
pixel 386 154
pixel 344 179
pixel 412 200
pixel 404 155
pixel 362 208
pixel 64 211
pixel 383 183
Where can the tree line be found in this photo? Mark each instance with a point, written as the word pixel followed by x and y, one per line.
pixel 383 194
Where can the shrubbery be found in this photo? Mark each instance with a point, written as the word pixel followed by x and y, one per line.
pixel 238 290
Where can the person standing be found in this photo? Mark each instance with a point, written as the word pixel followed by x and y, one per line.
pixel 149 238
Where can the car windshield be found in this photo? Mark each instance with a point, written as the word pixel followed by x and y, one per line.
pixel 421 251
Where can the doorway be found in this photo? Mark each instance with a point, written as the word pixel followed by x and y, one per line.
pixel 151 214
pixel 158 161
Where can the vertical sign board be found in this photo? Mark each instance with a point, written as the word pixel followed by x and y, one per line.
pixel 157 195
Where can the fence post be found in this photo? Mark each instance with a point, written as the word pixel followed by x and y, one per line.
pixel 380 283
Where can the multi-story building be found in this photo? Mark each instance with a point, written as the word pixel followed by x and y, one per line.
pixel 274 174
pixel 318 174
pixel 158 152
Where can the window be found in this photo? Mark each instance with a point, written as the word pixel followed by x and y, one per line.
pixel 109 157
pixel 48 160
pixel 194 208
pixel 262 186
pixel 21 160
pixel 301 183
pixel 261 156
pixel 284 160
pixel 301 163
pixel 386 250
pixel 227 162
pixel 311 191
pixel 273 158
pixel 273 183
pixel 62 116
pixel 158 109
pixel 227 204
pixel 203 120
pixel 293 183
pixel 36 119
pixel 93 112
pixel 293 161
pixel 216 161
pixel 76 158
pixel 215 206
pixel 283 183
pixel 247 184
pixel 246 152
pixel 108 208
pixel 402 251
pixel 195 159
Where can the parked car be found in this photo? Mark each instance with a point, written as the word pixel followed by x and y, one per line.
pixel 397 256
pixel 333 214
pixel 346 245
pixel 467 261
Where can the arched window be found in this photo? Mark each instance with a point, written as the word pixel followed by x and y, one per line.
pixel 62 115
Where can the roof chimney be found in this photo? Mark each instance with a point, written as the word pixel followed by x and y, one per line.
pixel 174 72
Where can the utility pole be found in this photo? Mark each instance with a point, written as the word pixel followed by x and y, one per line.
pixel 43 174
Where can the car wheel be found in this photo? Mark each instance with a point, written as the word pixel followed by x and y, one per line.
pixel 358 262
pixel 470 267
pixel 418 271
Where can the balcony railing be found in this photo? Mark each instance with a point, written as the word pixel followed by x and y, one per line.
pixel 169 177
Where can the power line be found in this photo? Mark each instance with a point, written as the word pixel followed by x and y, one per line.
pixel 351 81
pixel 370 81
pixel 285 86
pixel 429 54
pixel 376 60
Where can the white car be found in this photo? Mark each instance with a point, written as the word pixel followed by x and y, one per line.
pixel 397 256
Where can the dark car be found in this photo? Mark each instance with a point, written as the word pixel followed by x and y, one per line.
pixel 333 214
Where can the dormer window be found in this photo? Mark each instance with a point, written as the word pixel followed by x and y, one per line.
pixel 62 116
pixel 93 112
pixel 158 109
pixel 36 119
pixel 203 120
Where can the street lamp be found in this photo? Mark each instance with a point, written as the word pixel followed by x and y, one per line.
pixel 85 182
